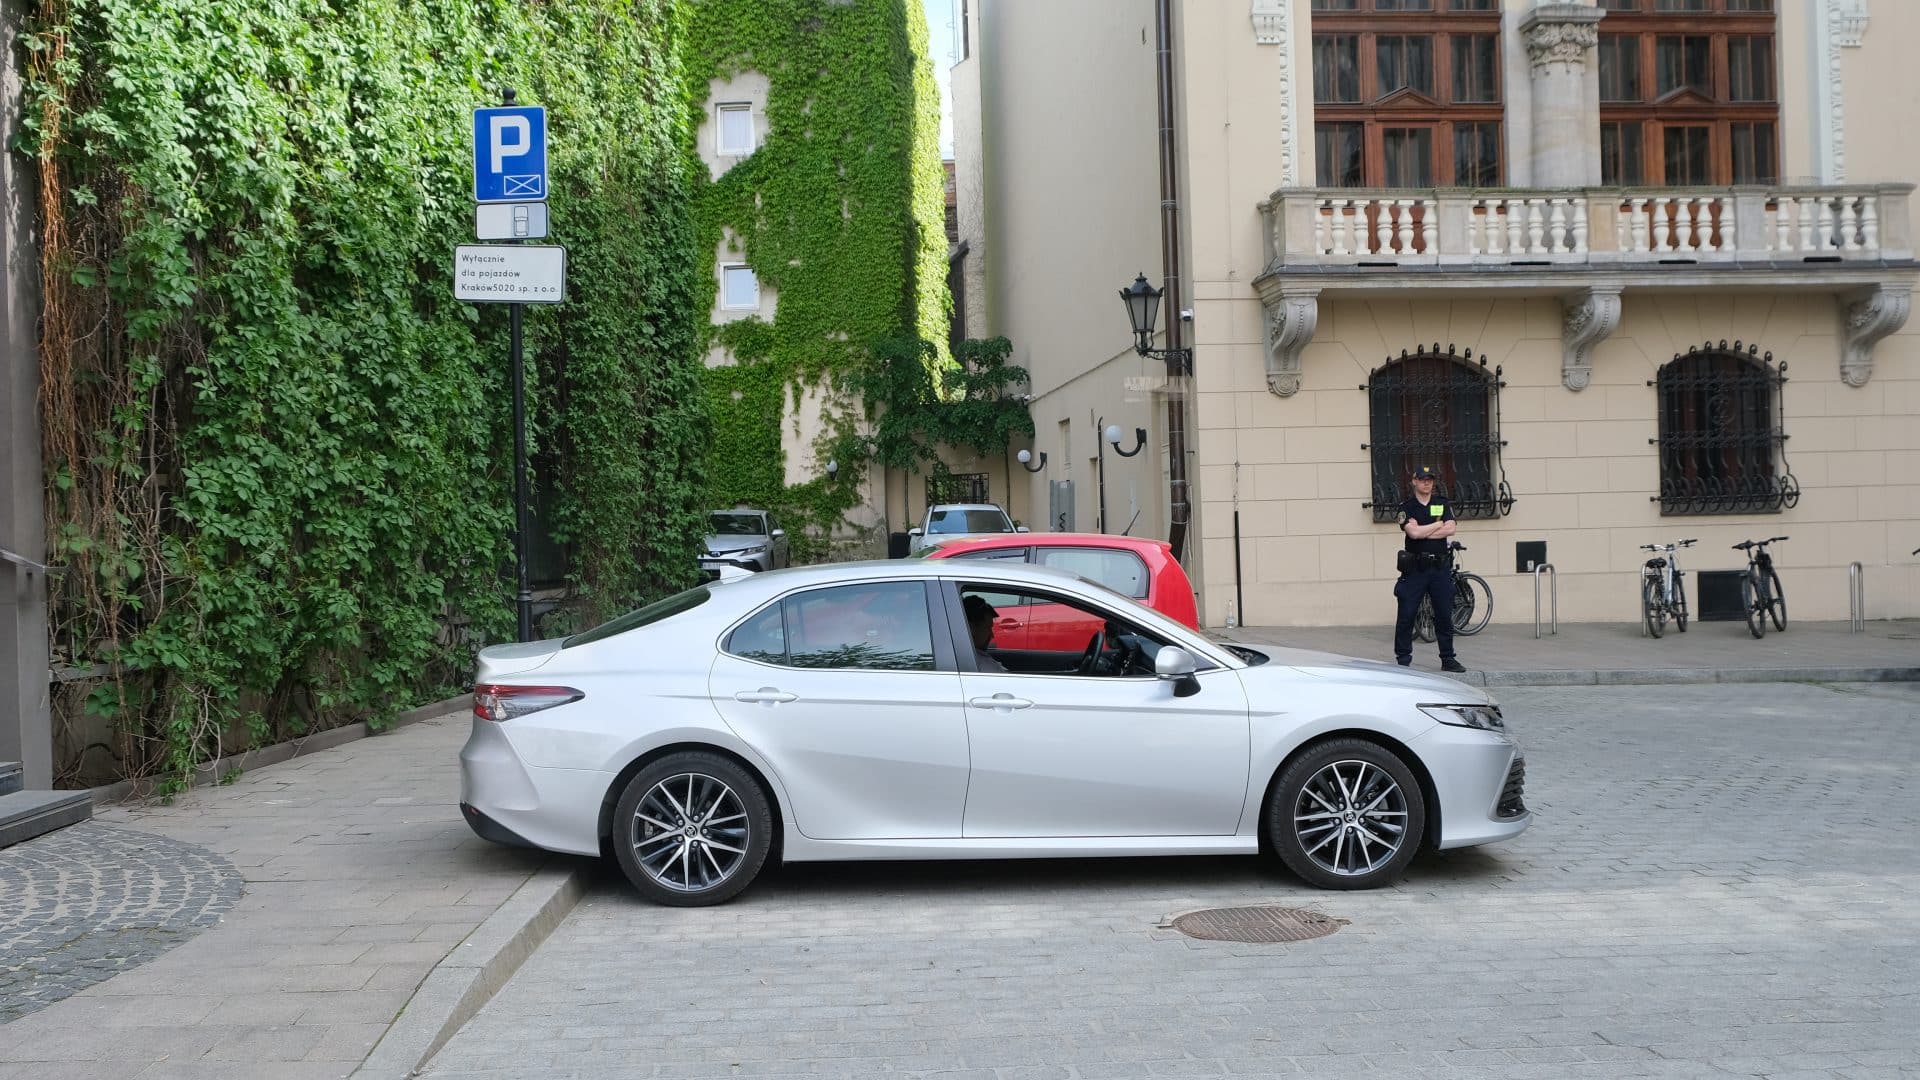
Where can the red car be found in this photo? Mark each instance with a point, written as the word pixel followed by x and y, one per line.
pixel 1133 566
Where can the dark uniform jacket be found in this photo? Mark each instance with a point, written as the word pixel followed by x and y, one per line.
pixel 1436 509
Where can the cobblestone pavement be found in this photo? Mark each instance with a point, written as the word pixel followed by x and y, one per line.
pixel 1723 881
pixel 88 902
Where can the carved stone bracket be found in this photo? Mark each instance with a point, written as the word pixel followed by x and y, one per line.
pixel 1561 34
pixel 1587 322
pixel 1849 18
pixel 1270 22
pixel 1868 319
pixel 1291 318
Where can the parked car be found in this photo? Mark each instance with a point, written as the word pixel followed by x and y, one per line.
pixel 1134 566
pixel 745 538
pixel 960 519
pixel 850 711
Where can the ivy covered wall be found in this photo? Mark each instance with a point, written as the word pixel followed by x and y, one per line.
pixel 840 210
pixel 278 451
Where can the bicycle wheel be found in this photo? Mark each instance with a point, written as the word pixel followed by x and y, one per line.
pixel 1750 599
pixel 1423 621
pixel 1680 601
pixel 1776 600
pixel 1653 607
pixel 1472 604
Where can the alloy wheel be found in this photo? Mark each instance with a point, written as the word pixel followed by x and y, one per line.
pixel 690 832
pixel 1351 818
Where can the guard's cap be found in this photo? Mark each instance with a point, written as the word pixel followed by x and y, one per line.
pixel 1425 472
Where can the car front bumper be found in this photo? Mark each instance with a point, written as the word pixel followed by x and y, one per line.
pixel 1477 776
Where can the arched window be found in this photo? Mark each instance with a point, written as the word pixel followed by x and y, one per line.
pixel 1441 410
pixel 1722 440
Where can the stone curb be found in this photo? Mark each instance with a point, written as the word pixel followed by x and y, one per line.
pixel 211 772
pixel 466 978
pixel 1675 676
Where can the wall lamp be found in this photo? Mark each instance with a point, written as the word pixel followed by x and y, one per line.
pixel 1025 457
pixel 1143 307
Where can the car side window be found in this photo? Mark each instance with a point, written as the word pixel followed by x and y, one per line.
pixel 762 637
pixel 1122 571
pixel 1064 635
pixel 879 625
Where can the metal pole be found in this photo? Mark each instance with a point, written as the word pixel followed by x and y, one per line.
pixel 1553 577
pixel 1180 508
pixel 1856 598
pixel 1100 453
pixel 525 595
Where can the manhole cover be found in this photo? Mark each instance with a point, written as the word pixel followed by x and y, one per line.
pixel 1256 924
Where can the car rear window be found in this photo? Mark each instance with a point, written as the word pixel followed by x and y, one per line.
pixel 1122 571
pixel 633 620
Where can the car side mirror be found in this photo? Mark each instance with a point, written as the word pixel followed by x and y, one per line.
pixel 1021 528
pixel 1176 665
pixel 915 531
pixel 778 533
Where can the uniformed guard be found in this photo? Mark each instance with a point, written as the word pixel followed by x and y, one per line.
pixel 1426 569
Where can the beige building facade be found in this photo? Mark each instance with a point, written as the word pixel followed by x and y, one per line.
pixel 1624 272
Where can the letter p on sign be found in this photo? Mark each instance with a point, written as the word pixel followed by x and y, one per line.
pixel 510 154
pixel 512 137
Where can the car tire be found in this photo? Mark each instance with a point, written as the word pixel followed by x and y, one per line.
pixel 677 867
pixel 1312 797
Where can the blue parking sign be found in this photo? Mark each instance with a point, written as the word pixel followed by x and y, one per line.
pixel 510 154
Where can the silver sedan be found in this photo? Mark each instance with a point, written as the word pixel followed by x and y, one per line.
pixel 863 711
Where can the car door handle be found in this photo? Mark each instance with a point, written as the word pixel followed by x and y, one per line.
pixel 766 695
pixel 1004 702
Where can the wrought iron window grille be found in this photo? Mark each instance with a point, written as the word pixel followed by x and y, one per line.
pixel 957 488
pixel 1442 410
pixel 1722 435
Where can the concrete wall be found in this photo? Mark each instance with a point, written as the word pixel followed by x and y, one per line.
pixel 26 733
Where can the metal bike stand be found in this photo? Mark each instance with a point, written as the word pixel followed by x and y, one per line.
pixel 1856 598
pixel 1553 579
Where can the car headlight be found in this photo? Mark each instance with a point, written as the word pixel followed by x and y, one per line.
pixel 758 549
pixel 1484 717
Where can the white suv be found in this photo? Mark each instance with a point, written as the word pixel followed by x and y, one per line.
pixel 948 520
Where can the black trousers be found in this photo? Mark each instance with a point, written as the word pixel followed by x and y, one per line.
pixel 1436 583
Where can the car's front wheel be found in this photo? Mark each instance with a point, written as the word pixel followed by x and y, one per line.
pixel 1347 814
pixel 692 829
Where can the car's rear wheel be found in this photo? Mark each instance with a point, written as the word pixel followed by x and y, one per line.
pixel 692 829
pixel 1347 814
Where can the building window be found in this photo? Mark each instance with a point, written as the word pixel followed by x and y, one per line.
pixel 1689 93
pixel 1407 93
pixel 1440 410
pixel 1722 437
pixel 739 288
pixel 735 124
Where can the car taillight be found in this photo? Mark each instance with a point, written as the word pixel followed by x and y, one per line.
pixel 499 702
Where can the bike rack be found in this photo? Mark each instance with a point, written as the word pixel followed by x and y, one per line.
pixel 1553 579
pixel 1856 598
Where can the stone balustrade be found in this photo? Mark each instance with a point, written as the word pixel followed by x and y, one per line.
pixel 1600 227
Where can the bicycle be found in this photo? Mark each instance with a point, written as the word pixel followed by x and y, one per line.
pixel 1760 591
pixel 1471 612
pixel 1663 589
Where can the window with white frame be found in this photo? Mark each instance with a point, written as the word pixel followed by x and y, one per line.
pixel 735 124
pixel 739 288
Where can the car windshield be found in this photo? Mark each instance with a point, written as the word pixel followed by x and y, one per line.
pixel 968 521
pixel 736 525
pixel 652 613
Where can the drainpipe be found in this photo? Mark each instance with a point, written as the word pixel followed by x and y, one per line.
pixel 1179 509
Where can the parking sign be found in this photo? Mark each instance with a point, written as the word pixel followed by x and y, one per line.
pixel 510 154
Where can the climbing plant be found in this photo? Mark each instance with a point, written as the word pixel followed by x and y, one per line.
pixel 839 211
pixel 277 450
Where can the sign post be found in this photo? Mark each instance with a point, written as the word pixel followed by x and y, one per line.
pixel 510 192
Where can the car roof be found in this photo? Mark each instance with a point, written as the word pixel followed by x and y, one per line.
pixel 1061 539
pixel 966 506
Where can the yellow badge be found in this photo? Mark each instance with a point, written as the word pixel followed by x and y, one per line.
pixel 1437 509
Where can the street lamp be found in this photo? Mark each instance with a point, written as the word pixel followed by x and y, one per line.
pixel 1110 435
pixel 1143 308
pixel 1025 457
pixel 833 470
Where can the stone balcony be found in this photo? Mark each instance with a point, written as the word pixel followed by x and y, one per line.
pixel 1587 246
